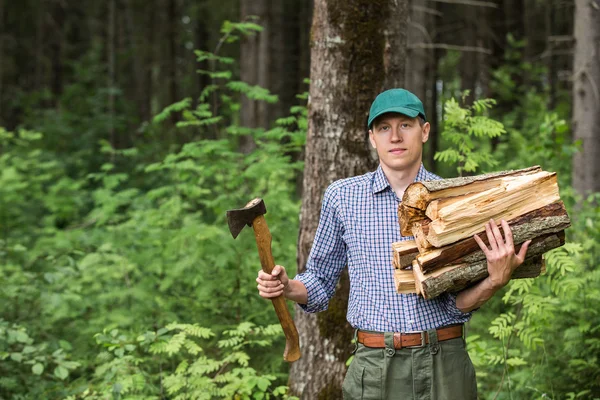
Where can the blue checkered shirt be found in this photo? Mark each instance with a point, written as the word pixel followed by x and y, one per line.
pixel 359 223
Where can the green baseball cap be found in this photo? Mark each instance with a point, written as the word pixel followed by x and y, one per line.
pixel 396 100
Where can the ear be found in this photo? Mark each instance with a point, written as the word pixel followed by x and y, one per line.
pixel 425 132
pixel 371 139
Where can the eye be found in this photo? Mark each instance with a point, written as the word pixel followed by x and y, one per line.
pixel 384 128
pixel 405 125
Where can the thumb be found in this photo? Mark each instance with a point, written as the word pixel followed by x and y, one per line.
pixel 523 251
pixel 276 270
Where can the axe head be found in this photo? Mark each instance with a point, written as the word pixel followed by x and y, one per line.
pixel 240 217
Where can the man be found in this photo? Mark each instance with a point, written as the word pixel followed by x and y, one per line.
pixel 408 347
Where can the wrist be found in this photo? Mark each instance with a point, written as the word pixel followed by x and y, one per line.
pixel 287 288
pixel 494 284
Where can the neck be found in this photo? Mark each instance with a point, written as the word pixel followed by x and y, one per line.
pixel 400 179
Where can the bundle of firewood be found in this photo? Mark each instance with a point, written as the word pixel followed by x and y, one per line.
pixel 444 215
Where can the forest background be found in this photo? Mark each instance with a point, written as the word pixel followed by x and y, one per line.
pixel 129 127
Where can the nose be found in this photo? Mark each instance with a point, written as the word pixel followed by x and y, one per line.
pixel 396 135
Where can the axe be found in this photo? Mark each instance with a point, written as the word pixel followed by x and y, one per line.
pixel 253 215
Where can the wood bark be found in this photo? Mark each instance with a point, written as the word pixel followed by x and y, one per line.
pixel 549 219
pixel 347 52
pixel 459 277
pixel 586 97
pixel 455 278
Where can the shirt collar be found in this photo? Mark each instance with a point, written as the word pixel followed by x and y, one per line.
pixel 380 182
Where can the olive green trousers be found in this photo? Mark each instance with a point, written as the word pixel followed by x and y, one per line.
pixel 436 371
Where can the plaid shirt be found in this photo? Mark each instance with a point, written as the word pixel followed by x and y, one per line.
pixel 359 222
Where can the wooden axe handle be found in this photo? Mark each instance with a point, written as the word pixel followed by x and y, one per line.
pixel 263 241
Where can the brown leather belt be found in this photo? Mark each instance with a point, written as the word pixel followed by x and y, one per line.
pixel 409 339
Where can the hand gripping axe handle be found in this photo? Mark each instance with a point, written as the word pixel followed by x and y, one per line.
pixel 253 215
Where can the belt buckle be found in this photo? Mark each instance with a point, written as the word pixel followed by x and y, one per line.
pixel 422 333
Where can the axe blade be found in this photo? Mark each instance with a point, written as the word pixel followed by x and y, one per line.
pixel 238 218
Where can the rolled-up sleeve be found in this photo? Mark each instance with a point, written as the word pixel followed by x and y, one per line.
pixel 327 258
pixel 448 303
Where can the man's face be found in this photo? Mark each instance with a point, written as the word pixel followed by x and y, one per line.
pixel 398 140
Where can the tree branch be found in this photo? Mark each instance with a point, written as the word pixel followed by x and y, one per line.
pixel 449 47
pixel 427 10
pixel 469 3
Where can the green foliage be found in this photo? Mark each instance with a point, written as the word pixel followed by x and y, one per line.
pixel 180 362
pixel 26 363
pixel 466 131
pixel 140 241
pixel 538 338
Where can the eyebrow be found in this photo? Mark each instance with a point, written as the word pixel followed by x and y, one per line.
pixel 385 121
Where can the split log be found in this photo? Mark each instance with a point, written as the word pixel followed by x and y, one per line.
pixel 419 231
pixel 407 217
pixel 454 278
pixel 548 219
pixel 404 281
pixel 458 217
pixel 404 253
pixel 419 194
pixel 418 277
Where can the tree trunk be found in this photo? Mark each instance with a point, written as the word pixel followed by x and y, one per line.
pixel 1 58
pixel 254 59
pixel 148 72
pixel 395 33
pixel 172 21
pixel 586 96
pixel 416 78
pixel 421 71
pixel 347 72
pixel 39 44
pixel 56 49
pixel 111 71
pixel 468 60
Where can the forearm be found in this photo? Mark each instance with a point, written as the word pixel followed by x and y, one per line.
pixel 296 291
pixel 475 296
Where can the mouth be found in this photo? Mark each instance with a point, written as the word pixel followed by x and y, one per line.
pixel 397 151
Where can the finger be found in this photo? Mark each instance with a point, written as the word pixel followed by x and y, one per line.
pixel 497 235
pixel 268 295
pixel 523 251
pixel 269 283
pixel 270 289
pixel 265 277
pixel 482 245
pixel 508 236
pixel 491 237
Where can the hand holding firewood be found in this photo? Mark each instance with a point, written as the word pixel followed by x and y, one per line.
pixel 502 260
pixel 444 215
